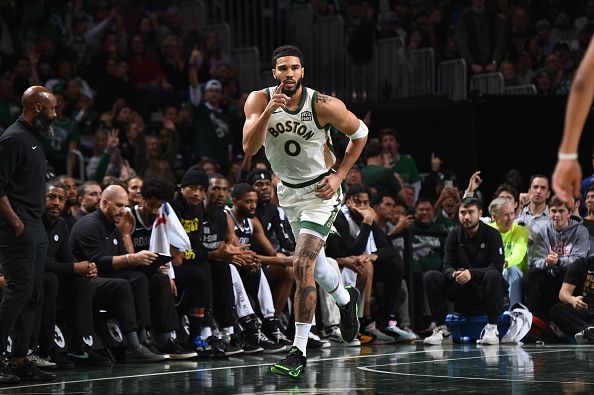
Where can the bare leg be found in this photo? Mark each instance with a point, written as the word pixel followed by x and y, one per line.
pixel 368 288
pixel 284 278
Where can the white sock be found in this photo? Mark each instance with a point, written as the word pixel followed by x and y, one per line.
pixel 301 336
pixel 329 280
pixel 228 331
pixel 206 332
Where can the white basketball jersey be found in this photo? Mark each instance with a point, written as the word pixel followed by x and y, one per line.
pixel 298 148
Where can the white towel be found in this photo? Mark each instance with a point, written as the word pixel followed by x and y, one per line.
pixel 168 231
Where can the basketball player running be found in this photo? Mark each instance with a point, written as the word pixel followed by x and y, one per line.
pixel 568 173
pixel 293 122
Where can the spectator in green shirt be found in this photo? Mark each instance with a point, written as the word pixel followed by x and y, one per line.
pixel 402 164
pixel 515 244
pixel 428 238
pixel 377 177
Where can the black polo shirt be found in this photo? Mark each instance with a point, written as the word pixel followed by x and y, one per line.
pixel 59 254
pixel 95 239
pixel 22 171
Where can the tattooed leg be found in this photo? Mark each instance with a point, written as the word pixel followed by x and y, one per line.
pixel 304 260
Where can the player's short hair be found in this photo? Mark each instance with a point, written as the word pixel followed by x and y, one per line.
pixel 240 190
pixel 158 188
pixel 286 50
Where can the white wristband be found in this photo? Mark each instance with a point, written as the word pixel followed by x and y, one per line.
pixel 566 156
pixel 361 132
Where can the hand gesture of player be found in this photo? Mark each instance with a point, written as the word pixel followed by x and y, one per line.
pixel 326 189
pixel 567 179
pixel 278 99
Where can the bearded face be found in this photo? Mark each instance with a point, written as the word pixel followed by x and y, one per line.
pixel 42 123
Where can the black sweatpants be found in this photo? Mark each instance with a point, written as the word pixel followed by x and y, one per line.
pixel 140 291
pixel 22 261
pixel 569 320
pixel 223 297
pixel 541 291
pixel 390 272
pixel 162 304
pixel 115 295
pixel 489 289
pixel 77 295
pixel 45 316
pixel 196 284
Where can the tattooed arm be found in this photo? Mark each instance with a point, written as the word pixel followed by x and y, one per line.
pixel 332 111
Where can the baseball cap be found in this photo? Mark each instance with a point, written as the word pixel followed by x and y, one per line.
pixel 213 84
pixel 256 175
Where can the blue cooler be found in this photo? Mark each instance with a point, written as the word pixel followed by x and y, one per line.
pixel 468 328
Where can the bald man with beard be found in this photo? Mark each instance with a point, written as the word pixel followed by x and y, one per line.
pixel 23 242
pixel 96 238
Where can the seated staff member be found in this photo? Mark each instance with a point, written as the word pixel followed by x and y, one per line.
pixel 95 238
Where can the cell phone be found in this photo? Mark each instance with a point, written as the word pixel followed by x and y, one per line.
pixel 448 184
pixel 162 259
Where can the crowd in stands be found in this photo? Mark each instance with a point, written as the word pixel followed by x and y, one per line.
pixel 529 42
pixel 151 105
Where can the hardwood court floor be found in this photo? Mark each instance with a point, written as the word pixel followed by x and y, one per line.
pixel 385 369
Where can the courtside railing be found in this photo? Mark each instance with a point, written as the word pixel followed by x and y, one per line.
pixel 452 80
pixel 528 89
pixel 421 72
pixel 487 84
